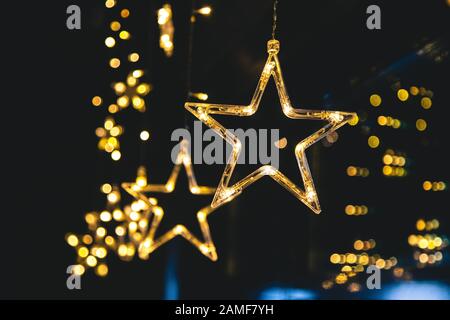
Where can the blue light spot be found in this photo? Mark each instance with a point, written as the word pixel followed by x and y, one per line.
pixel 277 293
pixel 415 290
pixel 171 282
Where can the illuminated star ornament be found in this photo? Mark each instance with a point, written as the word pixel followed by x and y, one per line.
pixel 140 187
pixel 334 119
pixel 132 91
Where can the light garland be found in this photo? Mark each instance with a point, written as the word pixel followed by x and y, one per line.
pixel 166 29
pixel 335 119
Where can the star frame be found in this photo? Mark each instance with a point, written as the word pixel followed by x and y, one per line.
pixel 335 119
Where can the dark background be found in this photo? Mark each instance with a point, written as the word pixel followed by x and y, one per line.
pixel 266 237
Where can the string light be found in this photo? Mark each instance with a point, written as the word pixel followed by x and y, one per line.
pixel 166 29
pixel 428 247
pixel 353 264
pixel 353 171
pixel 434 186
pixel 335 119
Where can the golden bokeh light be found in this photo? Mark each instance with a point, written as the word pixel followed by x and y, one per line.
pixel 375 100
pixel 402 95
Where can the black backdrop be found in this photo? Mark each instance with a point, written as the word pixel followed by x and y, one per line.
pixel 266 237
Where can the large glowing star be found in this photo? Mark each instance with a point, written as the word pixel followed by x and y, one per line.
pixel 334 119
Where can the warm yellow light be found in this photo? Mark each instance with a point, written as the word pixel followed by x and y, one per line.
pixel 110 241
pixel 123 101
pixel 351 258
pixel 87 239
pixel 101 232
pixel 133 57
pixel 164 14
pixel 137 73
pixel 350 210
pixel 200 95
pixel 110 42
pixel 402 95
pixel 382 120
pixel 83 252
pixel 106 188
pixel 131 81
pixel 426 103
pixel 380 263
pixel 114 63
pixel 125 13
pixel 341 278
pixel 387 159
pixel 138 102
pixel 205 112
pixel 97 101
pixel 358 245
pixel 105 216
pixel 102 270
pixel 78 270
pixel 91 261
pixel 120 231
pixel 423 243
pixel 373 142
pixel 101 253
pixel 413 240
pixel 110 3
pixel 122 250
pixel 115 26
pixel 206 11
pixel 354 121
pixel 375 100
pixel 120 87
pixel 143 89
pixel 116 155
pixel 421 125
pixel 335 258
pixel 72 240
pixel 352 171
pixel 118 215
pixel 387 170
pixel 124 35
pixel 115 131
pixel 423 258
pixel 420 225
pixel 109 123
pixel 144 135
pixel 397 124
pixel 90 218
pixel 427 185
pixel 414 90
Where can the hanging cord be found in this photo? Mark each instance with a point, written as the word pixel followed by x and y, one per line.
pixel 274 18
pixel 189 60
